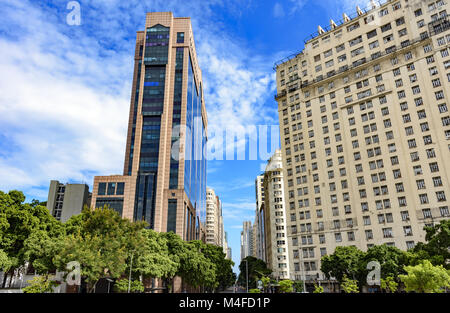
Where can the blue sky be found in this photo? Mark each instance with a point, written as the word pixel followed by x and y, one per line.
pixel 65 90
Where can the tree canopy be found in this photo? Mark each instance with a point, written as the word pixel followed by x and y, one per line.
pixel 105 245
pixel 426 278
pixel 256 268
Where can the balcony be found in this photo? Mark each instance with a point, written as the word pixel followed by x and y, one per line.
pixel 280 95
pixel 440 25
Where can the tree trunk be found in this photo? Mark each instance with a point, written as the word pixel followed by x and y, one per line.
pixel 11 279
pixel 5 276
pixel 93 288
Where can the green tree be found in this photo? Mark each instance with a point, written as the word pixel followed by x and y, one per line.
pixel 21 223
pixel 391 259
pixel 436 249
pixel 298 286
pixel 223 267
pixel 256 268
pixel 151 257
pixel 389 284
pixel 345 261
pixel 286 286
pixel 4 261
pixel 40 284
pixel 426 278
pixel 266 282
pixel 196 269
pixel 102 242
pixel 254 291
pixel 122 285
pixel 318 289
pixel 349 285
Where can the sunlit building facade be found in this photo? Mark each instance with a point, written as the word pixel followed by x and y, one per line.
pixel 164 177
pixel 365 131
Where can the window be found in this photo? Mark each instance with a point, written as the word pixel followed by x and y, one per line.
pixel 387 233
pixel 427 213
pixel 404 215
pixel 180 38
pixel 102 189
pixel 120 189
pixel 111 189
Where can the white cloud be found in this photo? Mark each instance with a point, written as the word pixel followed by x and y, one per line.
pixel 278 10
pixel 65 90
pixel 296 5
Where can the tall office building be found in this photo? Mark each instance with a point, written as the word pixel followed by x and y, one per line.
pixel 214 221
pixel 258 225
pixel 164 177
pixel 246 239
pixel 67 200
pixel 275 231
pixel 365 131
pixel 226 248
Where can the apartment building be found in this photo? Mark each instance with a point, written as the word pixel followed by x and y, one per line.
pixel 258 225
pixel 365 131
pixel 275 229
pixel 246 239
pixel 214 221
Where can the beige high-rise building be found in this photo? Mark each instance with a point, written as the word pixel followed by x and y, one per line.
pixel 365 131
pixel 275 228
pixel 259 249
pixel 214 220
pixel 164 177
pixel 246 239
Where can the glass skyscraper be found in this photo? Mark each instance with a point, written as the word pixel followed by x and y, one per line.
pixel 164 179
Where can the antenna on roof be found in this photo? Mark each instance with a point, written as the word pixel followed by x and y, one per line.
pixel 320 29
pixel 333 24
pixel 373 4
pixel 358 9
pixel 346 18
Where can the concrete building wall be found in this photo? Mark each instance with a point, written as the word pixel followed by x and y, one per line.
pixel 276 240
pixel 365 131
pixel 67 200
pixel 214 223
pixel 258 224
pixel 246 239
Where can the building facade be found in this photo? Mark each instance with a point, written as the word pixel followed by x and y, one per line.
pixel 67 200
pixel 164 177
pixel 214 220
pixel 246 239
pixel 259 249
pixel 276 240
pixel 365 131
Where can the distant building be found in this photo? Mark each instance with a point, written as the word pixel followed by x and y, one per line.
pixel 246 240
pixel 229 254
pixel 65 201
pixel 274 220
pixel 258 226
pixel 226 248
pixel 214 221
